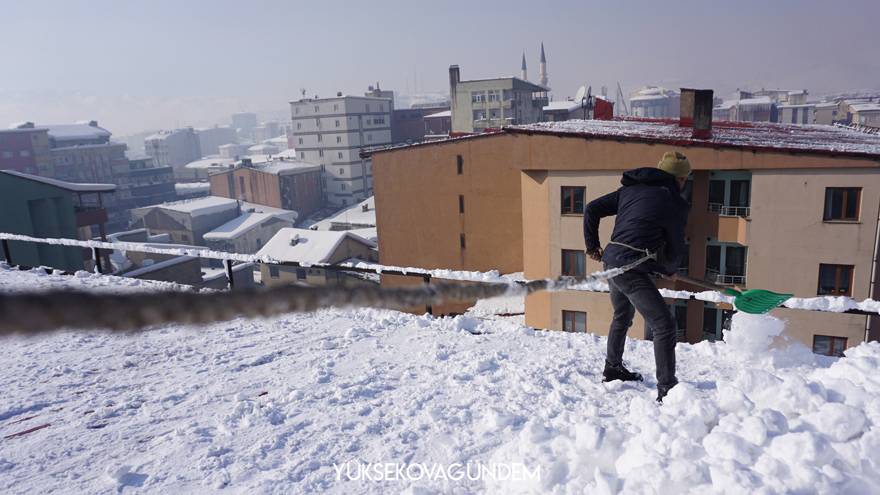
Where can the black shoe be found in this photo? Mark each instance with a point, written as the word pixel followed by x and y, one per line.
pixel 663 390
pixel 612 373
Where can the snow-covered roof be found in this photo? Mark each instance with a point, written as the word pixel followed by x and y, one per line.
pixel 307 246
pixel 201 206
pixel 444 113
pixel 354 215
pixel 67 186
pixel 76 131
pixel 865 107
pixel 242 224
pixel 760 100
pixel 190 187
pixel 750 135
pixel 652 93
pixel 286 166
pixel 370 234
pixel 211 162
pixel 157 266
pixel 263 148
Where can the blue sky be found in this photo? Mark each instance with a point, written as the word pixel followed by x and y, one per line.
pixel 211 57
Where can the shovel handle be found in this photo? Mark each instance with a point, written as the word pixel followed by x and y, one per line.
pixel 700 283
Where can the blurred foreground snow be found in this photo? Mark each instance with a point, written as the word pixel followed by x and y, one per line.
pixel 269 406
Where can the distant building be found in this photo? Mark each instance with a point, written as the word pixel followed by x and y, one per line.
pixel 186 222
pixel 315 247
pixel 655 102
pixel 438 125
pixel 43 207
pixel 249 232
pixel 332 131
pixel 408 125
pixel 481 104
pixel 279 183
pixel 797 114
pixel 557 111
pixel 81 152
pixel 144 184
pixel 359 216
pixel 174 148
pixel 234 151
pixel 749 109
pixel 267 130
pixel 192 190
pixel 866 114
pixel 199 170
pixel 211 138
pixel 244 124
pixel 825 112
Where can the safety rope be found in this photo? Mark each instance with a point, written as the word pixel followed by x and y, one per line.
pixel 41 312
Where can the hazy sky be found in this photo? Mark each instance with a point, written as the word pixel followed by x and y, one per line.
pixel 137 65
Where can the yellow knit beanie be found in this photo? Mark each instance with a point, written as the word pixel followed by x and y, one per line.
pixel 675 163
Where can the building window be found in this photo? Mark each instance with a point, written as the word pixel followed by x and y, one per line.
pixel 337 122
pixel 316 109
pixel 299 125
pixel 341 171
pixel 460 164
pixel 335 108
pixel 574 321
pixel 827 345
pixel 368 107
pixel 381 107
pixel 320 139
pixel 241 186
pixel 321 153
pixel 338 139
pixel 300 273
pixel 369 137
pixel 842 203
pixel 573 200
pixel 339 155
pixel 369 122
pixel 835 280
pixel 300 140
pixel 318 123
pixel 461 241
pixel 477 96
pixel 379 120
pixel 302 155
pixel 342 186
pixel 573 263
pixel 273 271
pixel 461 203
pixel 296 110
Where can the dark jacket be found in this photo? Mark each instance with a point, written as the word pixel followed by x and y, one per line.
pixel 651 214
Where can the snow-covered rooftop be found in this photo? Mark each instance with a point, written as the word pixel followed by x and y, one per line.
pixel 751 135
pixel 76 131
pixel 286 166
pixel 77 187
pixel 307 246
pixel 192 186
pixel 354 215
pixel 757 101
pixel 444 113
pixel 865 107
pixel 300 402
pixel 562 105
pixel 242 224
pixel 211 162
pixel 201 206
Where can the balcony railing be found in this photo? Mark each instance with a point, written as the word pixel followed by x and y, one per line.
pixel 724 279
pixel 730 211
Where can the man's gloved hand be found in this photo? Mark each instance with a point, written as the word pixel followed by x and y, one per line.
pixel 595 253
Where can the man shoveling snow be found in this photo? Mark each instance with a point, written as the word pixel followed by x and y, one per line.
pixel 651 219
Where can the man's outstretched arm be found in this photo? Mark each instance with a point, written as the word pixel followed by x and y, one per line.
pixel 604 206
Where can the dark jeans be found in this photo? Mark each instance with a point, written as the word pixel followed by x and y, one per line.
pixel 633 291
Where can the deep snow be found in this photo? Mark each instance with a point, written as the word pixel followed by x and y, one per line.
pixel 268 406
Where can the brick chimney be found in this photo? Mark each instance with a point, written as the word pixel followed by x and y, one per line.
pixel 696 112
pixel 454 79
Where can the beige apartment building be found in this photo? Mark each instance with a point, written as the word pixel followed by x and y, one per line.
pixel 774 206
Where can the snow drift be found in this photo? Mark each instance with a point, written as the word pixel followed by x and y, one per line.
pixel 271 406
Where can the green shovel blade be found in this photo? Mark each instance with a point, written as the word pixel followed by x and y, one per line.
pixel 757 301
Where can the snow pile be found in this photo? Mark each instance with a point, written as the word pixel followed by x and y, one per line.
pixel 280 405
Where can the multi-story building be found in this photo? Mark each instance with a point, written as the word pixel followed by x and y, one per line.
pixel 279 183
pixel 174 148
pixel 212 138
pixel 780 207
pixel 797 114
pixel 409 125
pixel 248 233
pixel 331 132
pixel 43 207
pixel 187 221
pixel 481 104
pixel 144 184
pixel 25 148
pixel 866 114
pixel 244 124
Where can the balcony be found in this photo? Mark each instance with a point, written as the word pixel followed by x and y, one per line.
pixel 724 279
pixel 730 211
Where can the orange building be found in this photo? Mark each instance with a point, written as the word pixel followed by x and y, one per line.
pixel 280 183
pixel 781 207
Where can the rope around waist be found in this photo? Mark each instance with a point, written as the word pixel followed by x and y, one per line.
pixel 646 252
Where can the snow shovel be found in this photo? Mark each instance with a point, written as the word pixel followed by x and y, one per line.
pixel 754 301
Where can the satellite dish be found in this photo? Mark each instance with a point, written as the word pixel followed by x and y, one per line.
pixel 581 93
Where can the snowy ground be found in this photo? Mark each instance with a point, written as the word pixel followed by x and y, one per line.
pixel 268 406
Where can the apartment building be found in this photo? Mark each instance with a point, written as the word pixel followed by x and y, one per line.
pixel 174 148
pixel 212 138
pixel 279 183
pixel 774 206
pixel 481 104
pixel 331 132
pixel 655 102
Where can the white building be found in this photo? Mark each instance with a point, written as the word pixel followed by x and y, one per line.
pixel 332 131
pixel 173 148
pixel 211 138
pixel 655 102
pixel 867 114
